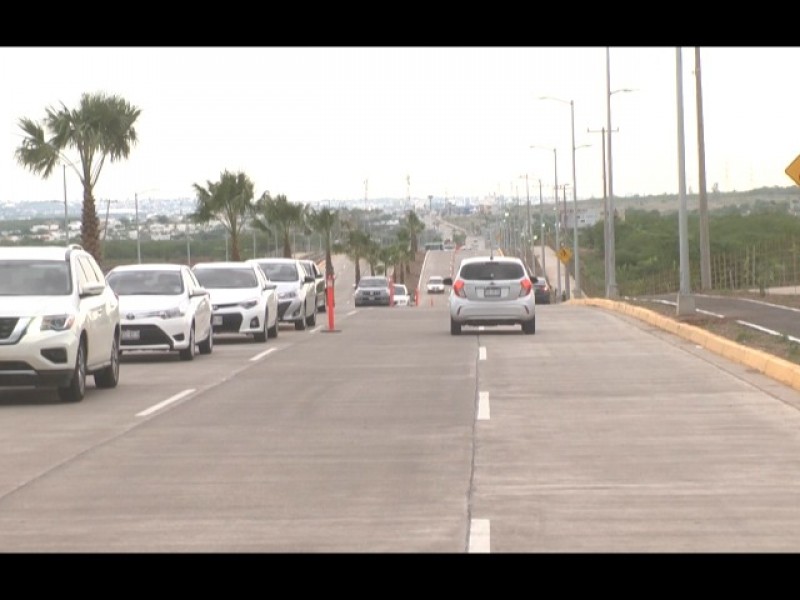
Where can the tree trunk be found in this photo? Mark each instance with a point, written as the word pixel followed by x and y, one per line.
pixel 90 227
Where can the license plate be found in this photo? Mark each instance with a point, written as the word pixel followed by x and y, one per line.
pixel 130 334
pixel 491 292
pixel 216 320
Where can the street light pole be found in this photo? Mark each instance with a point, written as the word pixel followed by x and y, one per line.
pixel 611 290
pixel 138 240
pixel 541 229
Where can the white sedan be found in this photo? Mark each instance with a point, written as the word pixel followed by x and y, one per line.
pixel 243 300
pixel 162 308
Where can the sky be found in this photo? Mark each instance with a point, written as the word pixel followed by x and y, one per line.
pixel 342 124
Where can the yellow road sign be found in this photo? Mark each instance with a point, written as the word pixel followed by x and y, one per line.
pixel 793 170
pixel 564 254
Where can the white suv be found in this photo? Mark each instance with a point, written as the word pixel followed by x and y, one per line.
pixel 59 321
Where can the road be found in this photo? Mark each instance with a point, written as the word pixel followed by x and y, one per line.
pixel 600 433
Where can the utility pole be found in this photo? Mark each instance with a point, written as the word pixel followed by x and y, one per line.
pixel 705 242
pixel 541 228
pixel 605 204
pixel 685 305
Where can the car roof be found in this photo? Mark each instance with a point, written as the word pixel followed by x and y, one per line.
pixel 273 259
pixel 487 258
pixel 225 265
pixel 36 252
pixel 149 267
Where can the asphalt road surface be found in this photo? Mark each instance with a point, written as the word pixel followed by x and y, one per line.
pixel 598 434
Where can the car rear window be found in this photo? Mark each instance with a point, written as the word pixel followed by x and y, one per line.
pixel 489 271
pixel 373 282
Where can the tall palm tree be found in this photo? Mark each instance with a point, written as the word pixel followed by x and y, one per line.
pixel 323 221
pixel 280 214
pixel 229 201
pixel 356 248
pixel 102 127
pixel 415 226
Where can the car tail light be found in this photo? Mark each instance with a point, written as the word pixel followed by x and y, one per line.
pixel 458 288
pixel 525 287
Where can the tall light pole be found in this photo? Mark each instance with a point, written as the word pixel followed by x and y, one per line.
pixel 541 228
pixel 66 214
pixel 605 208
pixel 138 239
pixel 705 247
pixel 611 290
pixel 555 188
pixel 685 305
pixel 574 192
pixel 529 232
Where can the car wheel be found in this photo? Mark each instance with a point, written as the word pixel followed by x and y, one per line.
pixel 188 352
pixel 311 320
pixel 273 331
pixel 261 336
pixel 529 327
pixel 207 345
pixel 76 389
pixel 108 377
pixel 455 328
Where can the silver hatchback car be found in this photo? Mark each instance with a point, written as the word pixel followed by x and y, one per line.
pixel 492 290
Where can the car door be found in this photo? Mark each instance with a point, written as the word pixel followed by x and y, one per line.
pixel 200 300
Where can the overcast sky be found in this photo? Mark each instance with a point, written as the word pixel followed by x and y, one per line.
pixel 316 123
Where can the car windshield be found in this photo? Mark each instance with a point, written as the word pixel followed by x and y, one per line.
pixel 279 271
pixel 435 280
pixel 400 290
pixel 491 270
pixel 35 278
pixel 226 278
pixel 373 282
pixel 145 283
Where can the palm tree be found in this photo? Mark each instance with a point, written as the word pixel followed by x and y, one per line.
pixel 229 201
pixel 281 214
pixel 415 226
pixel 101 127
pixel 323 221
pixel 356 248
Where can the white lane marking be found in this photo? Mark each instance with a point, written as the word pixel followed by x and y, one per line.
pixel 261 355
pixel 769 331
pixel 482 353
pixel 483 406
pixel 479 536
pixel 316 329
pixel 160 405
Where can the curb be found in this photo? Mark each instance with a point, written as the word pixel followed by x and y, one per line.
pixel 772 366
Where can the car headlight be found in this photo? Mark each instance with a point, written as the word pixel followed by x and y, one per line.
pixel 287 295
pixel 172 313
pixel 249 303
pixel 57 322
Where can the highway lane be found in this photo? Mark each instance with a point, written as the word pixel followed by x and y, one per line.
pixel 758 314
pixel 599 433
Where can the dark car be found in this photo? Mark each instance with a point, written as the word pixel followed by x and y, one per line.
pixel 542 291
pixel 373 290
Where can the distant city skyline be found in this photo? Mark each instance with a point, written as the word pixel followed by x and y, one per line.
pixel 321 124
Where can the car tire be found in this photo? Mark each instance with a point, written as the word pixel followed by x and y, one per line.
pixel 207 345
pixel 189 352
pixel 529 327
pixel 311 320
pixel 108 377
pixel 272 332
pixel 76 389
pixel 300 324
pixel 455 328
pixel 261 336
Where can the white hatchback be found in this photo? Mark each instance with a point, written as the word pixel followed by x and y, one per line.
pixel 490 291
pixel 163 308
pixel 243 300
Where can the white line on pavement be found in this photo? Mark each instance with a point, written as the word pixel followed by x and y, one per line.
pixel 479 536
pixel 261 355
pixel 166 402
pixel 482 353
pixel 483 406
